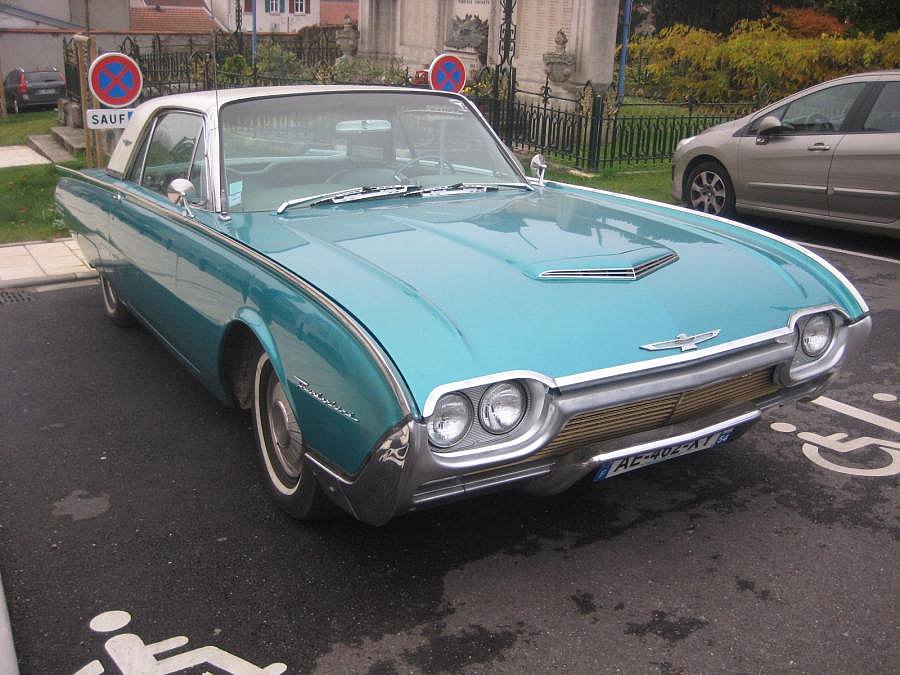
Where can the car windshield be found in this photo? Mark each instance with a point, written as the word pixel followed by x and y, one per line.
pixel 289 148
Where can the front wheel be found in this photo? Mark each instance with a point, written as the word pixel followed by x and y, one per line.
pixel 282 447
pixel 709 189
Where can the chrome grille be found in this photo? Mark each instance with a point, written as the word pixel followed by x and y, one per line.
pixel 601 425
pixel 628 273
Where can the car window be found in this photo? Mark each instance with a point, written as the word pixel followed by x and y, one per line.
pixel 823 111
pixel 197 174
pixel 885 114
pixel 43 76
pixel 171 150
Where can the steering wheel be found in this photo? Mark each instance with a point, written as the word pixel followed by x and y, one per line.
pixel 400 175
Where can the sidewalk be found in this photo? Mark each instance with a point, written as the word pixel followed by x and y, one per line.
pixel 37 263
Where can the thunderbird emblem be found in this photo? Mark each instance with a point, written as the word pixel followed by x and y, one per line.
pixel 682 341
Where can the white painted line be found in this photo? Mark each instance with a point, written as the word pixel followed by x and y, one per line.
pixel 861 255
pixel 858 413
pixel 8 662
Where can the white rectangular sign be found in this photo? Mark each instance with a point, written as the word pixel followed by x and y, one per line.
pixel 102 118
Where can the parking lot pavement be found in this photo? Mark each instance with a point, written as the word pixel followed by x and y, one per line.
pixel 136 532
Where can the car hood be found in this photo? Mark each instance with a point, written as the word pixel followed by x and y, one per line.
pixel 451 286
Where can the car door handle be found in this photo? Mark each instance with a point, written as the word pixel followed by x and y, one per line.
pixel 117 196
pixel 821 147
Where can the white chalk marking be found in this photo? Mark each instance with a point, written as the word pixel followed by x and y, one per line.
pixel 858 413
pixel 887 398
pixel 783 427
pixel 856 253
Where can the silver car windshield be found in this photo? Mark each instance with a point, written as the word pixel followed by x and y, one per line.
pixel 289 148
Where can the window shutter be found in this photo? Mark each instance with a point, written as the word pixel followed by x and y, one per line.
pixel 306 6
pixel 281 6
pixel 248 6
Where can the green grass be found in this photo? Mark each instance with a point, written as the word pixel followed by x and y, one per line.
pixel 14 129
pixel 26 203
pixel 648 183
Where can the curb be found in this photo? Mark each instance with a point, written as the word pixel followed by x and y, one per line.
pixel 49 280
pixel 8 661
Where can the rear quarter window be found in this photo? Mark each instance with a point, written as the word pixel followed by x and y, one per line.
pixel 885 113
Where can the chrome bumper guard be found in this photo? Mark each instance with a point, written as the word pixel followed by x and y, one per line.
pixel 403 474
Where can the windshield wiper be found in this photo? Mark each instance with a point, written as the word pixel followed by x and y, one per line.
pixel 349 195
pixel 461 188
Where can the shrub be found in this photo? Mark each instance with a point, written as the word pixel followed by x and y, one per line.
pixel 685 62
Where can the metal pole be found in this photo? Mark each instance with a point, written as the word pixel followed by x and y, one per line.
pixel 253 41
pixel 623 56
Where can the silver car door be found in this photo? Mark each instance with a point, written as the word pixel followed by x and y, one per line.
pixel 788 170
pixel 864 182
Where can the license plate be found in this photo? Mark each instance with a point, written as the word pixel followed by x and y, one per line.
pixel 617 467
pixel 44 92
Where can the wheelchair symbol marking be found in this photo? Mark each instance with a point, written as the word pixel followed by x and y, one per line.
pixel 840 443
pixel 133 656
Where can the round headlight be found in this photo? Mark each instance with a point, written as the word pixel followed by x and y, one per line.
pixel 816 335
pixel 502 407
pixel 450 421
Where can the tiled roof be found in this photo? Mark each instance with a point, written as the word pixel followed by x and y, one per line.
pixel 171 19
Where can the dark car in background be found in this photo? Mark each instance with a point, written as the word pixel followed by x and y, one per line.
pixel 39 88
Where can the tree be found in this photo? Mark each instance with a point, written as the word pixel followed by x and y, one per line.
pixel 868 16
pixel 718 17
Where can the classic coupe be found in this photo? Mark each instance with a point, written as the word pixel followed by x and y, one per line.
pixel 410 319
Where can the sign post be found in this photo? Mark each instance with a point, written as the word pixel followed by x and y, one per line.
pixel 447 73
pixel 90 155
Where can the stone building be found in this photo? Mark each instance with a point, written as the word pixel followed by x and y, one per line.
pixel 418 30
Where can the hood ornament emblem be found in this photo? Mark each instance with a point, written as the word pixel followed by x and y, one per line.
pixel 682 341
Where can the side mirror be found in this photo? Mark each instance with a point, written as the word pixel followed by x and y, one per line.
pixel 538 167
pixel 181 191
pixel 767 127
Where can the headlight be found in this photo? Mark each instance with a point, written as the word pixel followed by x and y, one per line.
pixel 816 335
pixel 450 421
pixel 684 141
pixel 501 407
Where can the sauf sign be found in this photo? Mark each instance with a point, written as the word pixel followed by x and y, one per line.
pixel 115 81
pixel 108 119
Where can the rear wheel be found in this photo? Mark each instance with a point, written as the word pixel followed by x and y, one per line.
pixel 282 447
pixel 115 310
pixel 709 189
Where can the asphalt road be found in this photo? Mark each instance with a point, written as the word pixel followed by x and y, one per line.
pixel 125 486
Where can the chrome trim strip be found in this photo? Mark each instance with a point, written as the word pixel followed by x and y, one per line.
pixel 859 192
pixel 379 356
pixel 674 440
pixel 439 492
pixel 768 235
pixel 627 368
pixel 816 189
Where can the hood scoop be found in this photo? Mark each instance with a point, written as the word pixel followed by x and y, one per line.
pixel 626 266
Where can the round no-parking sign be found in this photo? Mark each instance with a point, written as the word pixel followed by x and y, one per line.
pixel 447 73
pixel 115 79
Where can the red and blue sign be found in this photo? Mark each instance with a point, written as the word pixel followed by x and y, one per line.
pixel 115 80
pixel 447 73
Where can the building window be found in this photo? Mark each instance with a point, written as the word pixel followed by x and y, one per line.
pixel 272 6
pixel 299 6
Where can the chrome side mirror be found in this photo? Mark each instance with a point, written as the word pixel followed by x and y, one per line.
pixel 181 191
pixel 538 167
pixel 767 126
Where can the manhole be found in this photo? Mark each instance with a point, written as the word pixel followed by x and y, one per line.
pixel 9 297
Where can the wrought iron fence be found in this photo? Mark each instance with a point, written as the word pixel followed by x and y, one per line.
pixel 587 130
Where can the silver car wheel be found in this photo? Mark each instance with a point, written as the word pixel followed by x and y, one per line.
pixel 285 437
pixel 708 192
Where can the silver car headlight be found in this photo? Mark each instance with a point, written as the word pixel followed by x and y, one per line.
pixel 684 141
pixel 451 420
pixel 502 407
pixel 816 335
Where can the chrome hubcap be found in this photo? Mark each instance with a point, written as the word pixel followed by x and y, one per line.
pixel 708 192
pixel 284 432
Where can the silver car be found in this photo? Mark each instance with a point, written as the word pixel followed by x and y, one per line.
pixel 829 154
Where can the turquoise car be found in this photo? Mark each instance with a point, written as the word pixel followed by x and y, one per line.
pixel 411 320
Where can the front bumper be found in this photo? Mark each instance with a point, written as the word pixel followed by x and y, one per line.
pixel 404 474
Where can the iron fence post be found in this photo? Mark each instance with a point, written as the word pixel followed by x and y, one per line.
pixel 597 110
